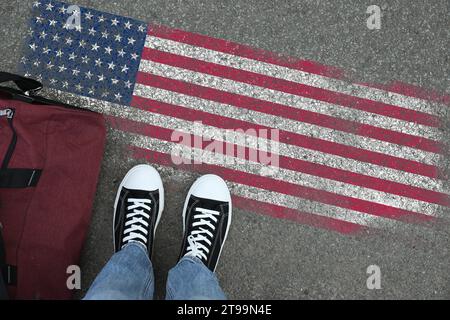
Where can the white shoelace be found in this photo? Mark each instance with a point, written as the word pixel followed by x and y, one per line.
pixel 199 234
pixel 135 221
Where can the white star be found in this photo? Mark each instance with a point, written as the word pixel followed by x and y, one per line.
pixel 63 10
pixel 105 34
pixel 88 15
pixel 121 53
pixel 131 41
pixel 108 50
pixel 111 65
pixel 98 63
pixel 72 56
pixel 101 77
pixel 118 37
pixel 79 87
pixel 114 81
pixel 85 59
pixel 42 35
pixel 127 84
pixel 114 22
pixel 45 50
pixel 128 25
pixel 69 41
pixel 117 96
pixel 36 4
pixel 39 77
pixel 105 94
pixel 49 65
pixel 23 60
pixel 141 28
pixel 56 37
pixel 75 72
pixel 52 23
pixel 59 53
pixel 62 68
pixel 95 47
pixel 39 19
pixel 101 18
pixel 30 32
pixel 82 43
pixel 91 90
pixel 134 56
pixel 49 7
pixel 36 63
pixel 124 69
pixel 65 84
pixel 88 75
pixel 92 31
pixel 53 81
pixel 33 46
pixel 27 74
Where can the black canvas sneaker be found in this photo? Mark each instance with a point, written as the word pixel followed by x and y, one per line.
pixel 206 220
pixel 138 207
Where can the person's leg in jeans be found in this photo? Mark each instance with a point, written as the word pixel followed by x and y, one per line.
pixel 127 276
pixel 137 210
pixel 206 221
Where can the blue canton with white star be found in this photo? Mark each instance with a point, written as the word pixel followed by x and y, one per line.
pixel 98 58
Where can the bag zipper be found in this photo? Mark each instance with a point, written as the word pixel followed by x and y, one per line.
pixel 7 112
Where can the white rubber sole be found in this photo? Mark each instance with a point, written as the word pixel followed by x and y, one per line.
pixel 197 182
pixel 161 197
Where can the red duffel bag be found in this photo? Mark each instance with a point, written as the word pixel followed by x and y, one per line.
pixel 50 157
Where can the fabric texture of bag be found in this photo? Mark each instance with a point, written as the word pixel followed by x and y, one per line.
pixel 50 157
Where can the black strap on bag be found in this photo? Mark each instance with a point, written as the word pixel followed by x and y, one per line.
pixel 16 177
pixel 3 267
pixel 27 85
pixel 27 90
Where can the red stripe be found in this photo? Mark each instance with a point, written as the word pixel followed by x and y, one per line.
pixel 289 188
pixel 244 51
pixel 291 138
pixel 236 49
pixel 293 164
pixel 305 218
pixel 280 110
pixel 290 87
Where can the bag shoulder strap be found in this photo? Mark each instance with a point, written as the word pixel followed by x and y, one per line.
pixel 27 85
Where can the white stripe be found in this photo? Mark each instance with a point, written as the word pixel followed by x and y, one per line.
pixel 285 149
pixel 306 129
pixel 290 176
pixel 297 76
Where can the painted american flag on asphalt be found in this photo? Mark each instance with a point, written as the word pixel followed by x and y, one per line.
pixel 350 156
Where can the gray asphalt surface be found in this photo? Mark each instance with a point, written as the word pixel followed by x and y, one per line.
pixel 265 257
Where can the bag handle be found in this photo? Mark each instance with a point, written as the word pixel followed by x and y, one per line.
pixel 27 85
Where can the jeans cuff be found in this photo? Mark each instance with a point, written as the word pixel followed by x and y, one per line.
pixel 138 245
pixel 196 261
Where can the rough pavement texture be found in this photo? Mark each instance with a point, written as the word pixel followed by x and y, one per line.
pixel 265 257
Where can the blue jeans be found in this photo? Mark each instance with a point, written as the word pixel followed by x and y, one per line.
pixel 129 276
